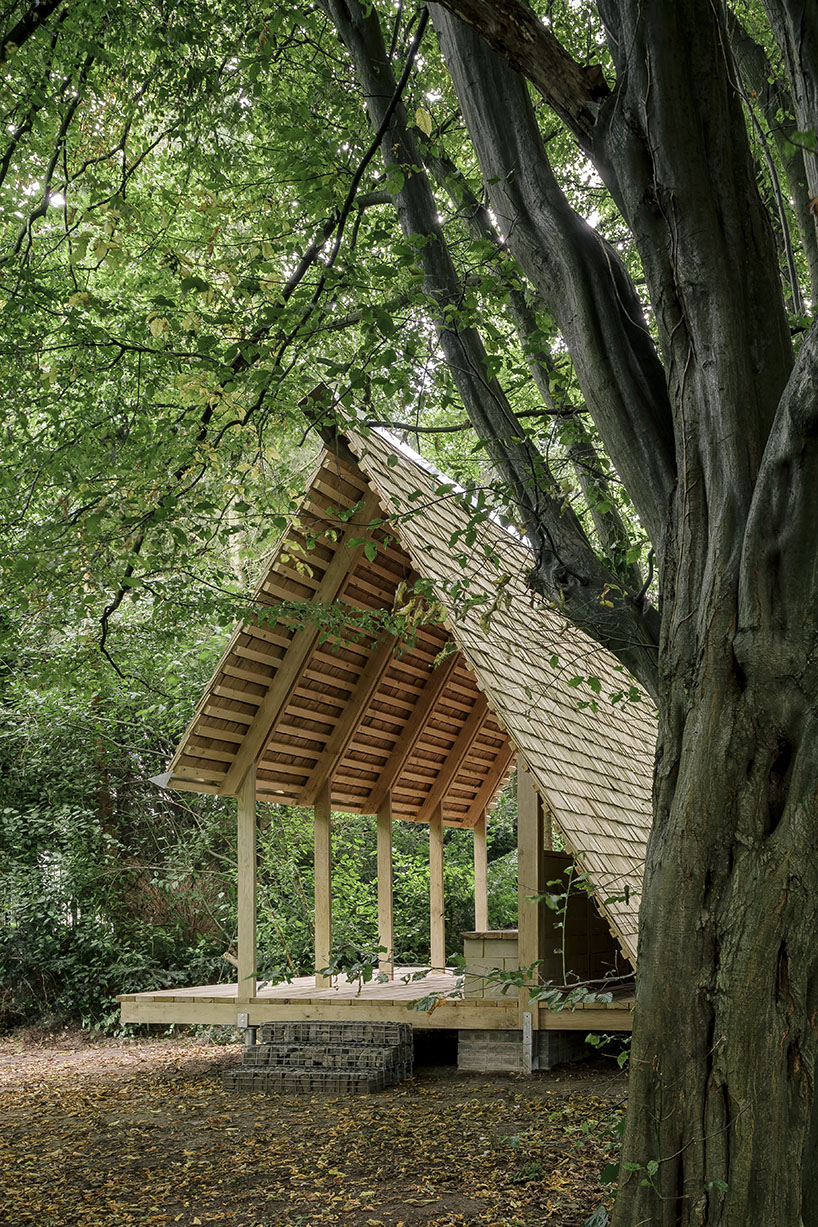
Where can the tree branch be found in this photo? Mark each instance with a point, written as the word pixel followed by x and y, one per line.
pixel 610 529
pixel 334 225
pixel 529 46
pixel 795 26
pixel 778 592
pixel 579 277
pixel 28 25
pixel 567 570
pixel 675 137
pixel 778 109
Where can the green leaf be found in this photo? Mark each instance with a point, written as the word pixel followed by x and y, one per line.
pixel 424 121
pixel 385 322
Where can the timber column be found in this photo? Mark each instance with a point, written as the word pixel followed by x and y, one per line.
pixel 323 883
pixel 386 928
pixel 481 892
pixel 246 841
pixel 436 920
pixel 530 883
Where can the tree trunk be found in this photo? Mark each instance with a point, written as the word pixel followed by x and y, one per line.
pixel 721 1127
pixel 728 961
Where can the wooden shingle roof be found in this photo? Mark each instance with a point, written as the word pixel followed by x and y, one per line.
pixel 436 715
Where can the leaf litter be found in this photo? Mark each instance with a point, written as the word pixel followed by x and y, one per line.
pixel 112 1133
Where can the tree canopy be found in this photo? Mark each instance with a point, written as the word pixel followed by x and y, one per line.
pixel 571 249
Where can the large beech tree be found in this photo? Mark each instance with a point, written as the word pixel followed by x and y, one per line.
pixel 711 422
pixel 591 227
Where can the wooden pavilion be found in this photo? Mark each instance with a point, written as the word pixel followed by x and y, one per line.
pixel 423 670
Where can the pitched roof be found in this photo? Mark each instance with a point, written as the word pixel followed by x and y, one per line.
pixel 488 669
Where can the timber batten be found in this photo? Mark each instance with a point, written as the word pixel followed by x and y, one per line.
pixel 308 702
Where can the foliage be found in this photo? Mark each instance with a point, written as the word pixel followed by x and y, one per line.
pixel 105 887
pixel 286 886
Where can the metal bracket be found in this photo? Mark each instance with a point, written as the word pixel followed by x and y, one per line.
pixel 528 1037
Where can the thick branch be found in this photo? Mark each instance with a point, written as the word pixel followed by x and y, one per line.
pixel 795 26
pixel 778 109
pixel 26 27
pixel 779 567
pixel 675 136
pixel 578 275
pixel 610 529
pixel 568 571
pixel 527 45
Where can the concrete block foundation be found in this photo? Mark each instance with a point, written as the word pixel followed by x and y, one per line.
pixel 502 1051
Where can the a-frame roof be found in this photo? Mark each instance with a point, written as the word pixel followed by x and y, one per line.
pixel 437 715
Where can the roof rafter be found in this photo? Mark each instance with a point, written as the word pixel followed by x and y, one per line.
pixel 454 761
pixel 493 781
pixel 354 712
pixel 411 735
pixel 341 566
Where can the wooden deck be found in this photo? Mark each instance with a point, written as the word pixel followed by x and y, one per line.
pixel 392 1001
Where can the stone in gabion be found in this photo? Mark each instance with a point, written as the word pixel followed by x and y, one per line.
pixel 336 1058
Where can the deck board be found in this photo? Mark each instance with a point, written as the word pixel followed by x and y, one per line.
pixel 301 999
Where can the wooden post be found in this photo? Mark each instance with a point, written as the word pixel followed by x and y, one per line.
pixel 481 894
pixel 246 841
pixel 323 883
pixel 436 922
pixel 530 882
pixel 548 826
pixel 386 934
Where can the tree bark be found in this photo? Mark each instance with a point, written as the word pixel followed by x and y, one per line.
pixel 612 536
pixel 728 962
pixel 579 277
pixel 27 26
pixel 727 965
pixel 778 109
pixel 795 26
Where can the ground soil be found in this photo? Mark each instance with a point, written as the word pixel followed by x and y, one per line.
pixel 103 1133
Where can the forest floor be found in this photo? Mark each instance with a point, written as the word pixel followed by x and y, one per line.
pixel 104 1133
